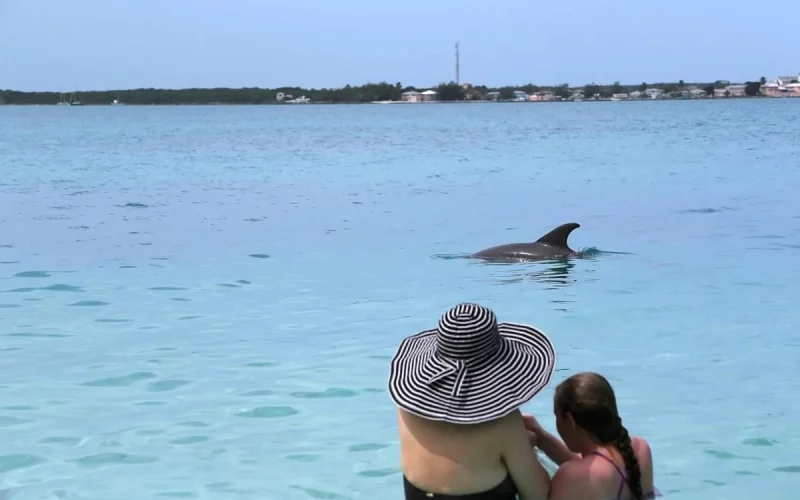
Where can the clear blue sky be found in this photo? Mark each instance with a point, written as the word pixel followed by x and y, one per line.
pixel 115 44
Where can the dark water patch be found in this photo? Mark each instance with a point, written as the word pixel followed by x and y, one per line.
pixel 190 440
pixel 327 393
pixel 262 364
pixel 168 288
pixel 788 468
pixel 767 237
pixel 133 205
pixel 10 306
pixel 159 258
pixel 379 472
pixel 356 448
pixel 259 256
pixel 229 285
pixel 113 459
pixel 21 290
pixel 150 432
pixel 166 385
pixel 10 262
pixel 319 494
pixel 759 442
pixel 260 392
pixel 33 274
pixel 122 381
pixel 113 320
pixel 60 287
pixel 715 483
pixel 706 210
pixel 18 461
pixel 193 424
pixel 268 412
pixel 6 246
pixel 744 473
pixel 88 303
pixel 18 407
pixel 724 455
pixel 10 421
pixel 303 457
pixel 39 335
pixel 243 282
pixel 180 299
pixel 127 267
pixel 79 227
pixel 372 390
pixel 61 440
pixel 189 317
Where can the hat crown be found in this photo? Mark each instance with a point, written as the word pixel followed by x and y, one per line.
pixel 467 332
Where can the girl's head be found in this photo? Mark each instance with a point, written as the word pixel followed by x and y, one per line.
pixel 585 407
pixel 586 415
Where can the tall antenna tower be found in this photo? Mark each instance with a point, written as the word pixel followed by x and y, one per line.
pixel 458 66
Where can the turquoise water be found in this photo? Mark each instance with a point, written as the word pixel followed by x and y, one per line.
pixel 201 302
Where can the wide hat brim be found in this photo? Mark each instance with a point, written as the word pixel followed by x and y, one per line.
pixel 423 383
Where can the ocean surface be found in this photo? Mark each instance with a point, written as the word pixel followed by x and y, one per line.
pixel 201 302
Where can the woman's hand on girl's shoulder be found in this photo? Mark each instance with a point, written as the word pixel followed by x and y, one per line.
pixel 531 423
pixel 532 427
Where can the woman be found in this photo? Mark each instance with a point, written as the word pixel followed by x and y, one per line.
pixel 458 389
pixel 598 460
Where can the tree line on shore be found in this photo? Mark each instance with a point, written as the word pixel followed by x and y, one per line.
pixel 383 91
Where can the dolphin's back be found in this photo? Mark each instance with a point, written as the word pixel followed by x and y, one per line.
pixel 523 250
pixel 550 246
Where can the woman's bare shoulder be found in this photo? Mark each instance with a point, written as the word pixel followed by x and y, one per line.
pixel 640 443
pixel 642 449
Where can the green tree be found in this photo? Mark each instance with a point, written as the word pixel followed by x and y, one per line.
pixel 507 93
pixel 616 88
pixel 752 89
pixel 763 80
pixel 590 90
pixel 562 91
pixel 709 89
pixel 450 91
pixel 642 87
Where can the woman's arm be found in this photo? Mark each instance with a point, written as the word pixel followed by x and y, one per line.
pixel 555 450
pixel 528 474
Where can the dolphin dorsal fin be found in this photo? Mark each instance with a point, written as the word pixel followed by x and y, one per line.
pixel 558 236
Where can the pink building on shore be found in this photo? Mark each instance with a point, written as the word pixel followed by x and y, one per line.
pixel 783 86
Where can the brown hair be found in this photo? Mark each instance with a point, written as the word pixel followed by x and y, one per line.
pixel 589 398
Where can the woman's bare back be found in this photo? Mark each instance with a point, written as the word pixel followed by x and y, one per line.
pixel 451 459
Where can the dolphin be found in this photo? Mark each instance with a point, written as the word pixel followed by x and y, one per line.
pixel 552 245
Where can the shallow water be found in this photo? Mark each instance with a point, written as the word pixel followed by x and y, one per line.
pixel 201 302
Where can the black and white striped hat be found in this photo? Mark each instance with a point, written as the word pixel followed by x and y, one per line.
pixel 470 369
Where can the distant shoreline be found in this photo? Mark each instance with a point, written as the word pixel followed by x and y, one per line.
pixel 388 93
pixel 361 103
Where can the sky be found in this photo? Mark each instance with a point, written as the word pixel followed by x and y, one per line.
pixel 119 44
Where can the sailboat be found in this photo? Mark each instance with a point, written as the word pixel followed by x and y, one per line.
pixel 73 100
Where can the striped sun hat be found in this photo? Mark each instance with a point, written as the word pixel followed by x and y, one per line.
pixel 470 369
